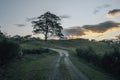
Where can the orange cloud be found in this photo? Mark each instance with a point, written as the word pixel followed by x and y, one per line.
pixel 102 27
pixel 109 34
pixel 92 31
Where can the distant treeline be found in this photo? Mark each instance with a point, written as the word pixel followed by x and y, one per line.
pixel 110 62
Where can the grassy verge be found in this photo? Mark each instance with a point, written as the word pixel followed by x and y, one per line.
pixel 30 67
pixel 91 71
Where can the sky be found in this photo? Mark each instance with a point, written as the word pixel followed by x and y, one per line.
pixel 90 19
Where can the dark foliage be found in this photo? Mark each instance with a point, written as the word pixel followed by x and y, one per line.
pixel 2 36
pixel 8 51
pixel 35 51
pixel 110 62
pixel 88 54
pixel 48 24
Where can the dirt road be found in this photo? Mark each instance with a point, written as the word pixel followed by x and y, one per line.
pixel 54 72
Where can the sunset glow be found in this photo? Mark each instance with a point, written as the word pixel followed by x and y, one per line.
pixel 95 19
pixel 73 37
pixel 110 34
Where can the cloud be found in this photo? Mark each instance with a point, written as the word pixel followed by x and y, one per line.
pixel 79 31
pixel 76 30
pixel 102 27
pixel 113 13
pixel 30 19
pixel 64 16
pixel 96 11
pixel 101 7
pixel 20 25
pixel 106 5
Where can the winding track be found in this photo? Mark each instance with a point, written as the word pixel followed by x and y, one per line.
pixel 54 73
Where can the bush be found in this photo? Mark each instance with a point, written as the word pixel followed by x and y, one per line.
pixel 35 51
pixel 8 51
pixel 110 62
pixel 2 36
pixel 88 54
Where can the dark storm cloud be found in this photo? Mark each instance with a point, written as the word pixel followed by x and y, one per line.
pixel 65 16
pixel 101 7
pixel 97 28
pixel 31 19
pixel 20 25
pixel 102 27
pixel 76 30
pixel 114 12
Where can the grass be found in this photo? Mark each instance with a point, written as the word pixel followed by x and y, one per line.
pixel 88 69
pixel 30 67
pixel 99 47
pixel 35 67
pixel 93 72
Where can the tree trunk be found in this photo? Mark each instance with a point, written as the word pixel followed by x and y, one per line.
pixel 46 36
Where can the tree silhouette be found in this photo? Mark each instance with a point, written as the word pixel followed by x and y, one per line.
pixel 2 36
pixel 48 24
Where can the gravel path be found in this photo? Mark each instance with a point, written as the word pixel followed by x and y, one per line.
pixel 54 73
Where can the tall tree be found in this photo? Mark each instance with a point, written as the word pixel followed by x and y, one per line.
pixel 48 24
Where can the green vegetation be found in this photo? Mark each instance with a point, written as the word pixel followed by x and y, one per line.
pixel 110 62
pixel 30 67
pixel 90 70
pixel 24 59
pixel 90 47
pixel 35 66
pixel 98 49
pixel 9 50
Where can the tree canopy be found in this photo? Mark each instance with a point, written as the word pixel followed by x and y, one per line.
pixel 48 24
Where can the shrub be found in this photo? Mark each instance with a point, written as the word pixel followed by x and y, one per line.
pixel 88 54
pixel 35 51
pixel 110 62
pixel 8 51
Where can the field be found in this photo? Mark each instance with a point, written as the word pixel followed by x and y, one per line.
pixel 36 66
pixel 99 47
pixel 29 67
